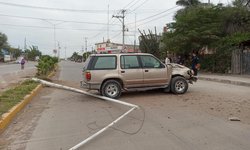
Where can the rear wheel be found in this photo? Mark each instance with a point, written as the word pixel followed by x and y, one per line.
pixel 112 89
pixel 179 85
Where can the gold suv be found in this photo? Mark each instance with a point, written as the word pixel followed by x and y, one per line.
pixel 111 74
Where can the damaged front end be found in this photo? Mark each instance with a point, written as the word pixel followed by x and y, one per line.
pixel 184 71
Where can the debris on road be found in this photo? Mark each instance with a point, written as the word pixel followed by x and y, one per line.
pixel 234 119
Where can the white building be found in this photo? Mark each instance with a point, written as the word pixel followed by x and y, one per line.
pixel 109 47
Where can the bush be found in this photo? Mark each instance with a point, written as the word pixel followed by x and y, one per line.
pixel 46 64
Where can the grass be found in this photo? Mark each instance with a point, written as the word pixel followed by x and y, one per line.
pixel 11 97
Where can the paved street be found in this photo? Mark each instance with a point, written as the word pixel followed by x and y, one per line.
pixel 58 119
pixel 10 74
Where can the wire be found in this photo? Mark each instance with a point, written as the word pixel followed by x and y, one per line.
pixel 154 15
pixel 155 18
pixel 135 3
pixel 116 35
pixel 139 5
pixel 42 27
pixel 54 9
pixel 128 4
pixel 98 127
pixel 5 15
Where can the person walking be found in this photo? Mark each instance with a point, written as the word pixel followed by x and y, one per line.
pixel 195 63
pixel 22 63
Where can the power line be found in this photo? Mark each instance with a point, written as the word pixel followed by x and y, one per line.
pixel 128 4
pixel 35 18
pixel 54 9
pixel 154 15
pixel 42 27
pixel 140 5
pixel 156 18
pixel 134 3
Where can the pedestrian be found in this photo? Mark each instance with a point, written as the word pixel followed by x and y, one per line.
pixel 22 63
pixel 167 61
pixel 180 60
pixel 195 63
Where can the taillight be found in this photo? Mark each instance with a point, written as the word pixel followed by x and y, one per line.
pixel 88 76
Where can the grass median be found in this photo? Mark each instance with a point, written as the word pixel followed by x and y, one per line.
pixel 13 96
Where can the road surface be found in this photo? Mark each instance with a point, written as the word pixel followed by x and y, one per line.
pixel 58 119
pixel 10 74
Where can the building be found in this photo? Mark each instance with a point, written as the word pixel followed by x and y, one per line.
pixel 109 47
pixel 7 56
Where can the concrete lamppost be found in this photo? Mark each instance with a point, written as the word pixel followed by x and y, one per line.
pixel 54 28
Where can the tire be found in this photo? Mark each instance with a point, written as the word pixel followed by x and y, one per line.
pixel 111 89
pixel 179 85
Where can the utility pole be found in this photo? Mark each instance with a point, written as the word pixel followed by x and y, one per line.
pixel 86 49
pixel 108 25
pixel 135 34
pixel 59 50
pixel 121 18
pixel 65 52
pixel 25 44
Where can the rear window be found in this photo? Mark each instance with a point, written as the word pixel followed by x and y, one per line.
pixel 85 65
pixel 104 63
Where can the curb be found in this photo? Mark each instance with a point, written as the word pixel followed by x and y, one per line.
pixel 8 117
pixel 226 81
pixel 11 114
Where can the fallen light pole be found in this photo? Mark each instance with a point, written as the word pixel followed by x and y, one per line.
pixel 96 96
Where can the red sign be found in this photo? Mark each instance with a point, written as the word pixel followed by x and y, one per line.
pixel 101 49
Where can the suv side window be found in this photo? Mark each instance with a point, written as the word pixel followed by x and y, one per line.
pixel 104 63
pixel 151 62
pixel 129 62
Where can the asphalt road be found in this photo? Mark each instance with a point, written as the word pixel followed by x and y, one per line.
pixel 58 119
pixel 10 74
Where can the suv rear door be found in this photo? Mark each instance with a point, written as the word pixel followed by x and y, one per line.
pixel 154 72
pixel 131 71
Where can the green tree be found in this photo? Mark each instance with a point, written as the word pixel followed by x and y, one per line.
pixel 16 52
pixel 32 53
pixel 3 41
pixel 217 27
pixel 149 43
pixel 188 3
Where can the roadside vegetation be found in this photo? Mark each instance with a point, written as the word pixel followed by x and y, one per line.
pixel 212 30
pixel 46 64
pixel 13 96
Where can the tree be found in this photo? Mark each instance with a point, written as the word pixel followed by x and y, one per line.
pixel 241 3
pixel 32 53
pixel 216 27
pixel 149 43
pixel 3 41
pixel 16 52
pixel 188 3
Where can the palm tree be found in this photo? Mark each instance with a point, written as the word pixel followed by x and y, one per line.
pixel 188 3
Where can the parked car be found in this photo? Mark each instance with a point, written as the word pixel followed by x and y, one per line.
pixel 111 74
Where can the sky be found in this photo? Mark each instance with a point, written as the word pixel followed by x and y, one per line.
pixel 77 22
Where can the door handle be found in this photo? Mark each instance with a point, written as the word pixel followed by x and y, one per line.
pixel 146 70
pixel 122 71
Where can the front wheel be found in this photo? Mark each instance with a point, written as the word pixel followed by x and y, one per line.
pixel 179 85
pixel 111 88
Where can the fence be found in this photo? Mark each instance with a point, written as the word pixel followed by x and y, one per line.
pixel 240 61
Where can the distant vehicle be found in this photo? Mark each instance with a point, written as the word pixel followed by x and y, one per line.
pixel 18 61
pixel 111 74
